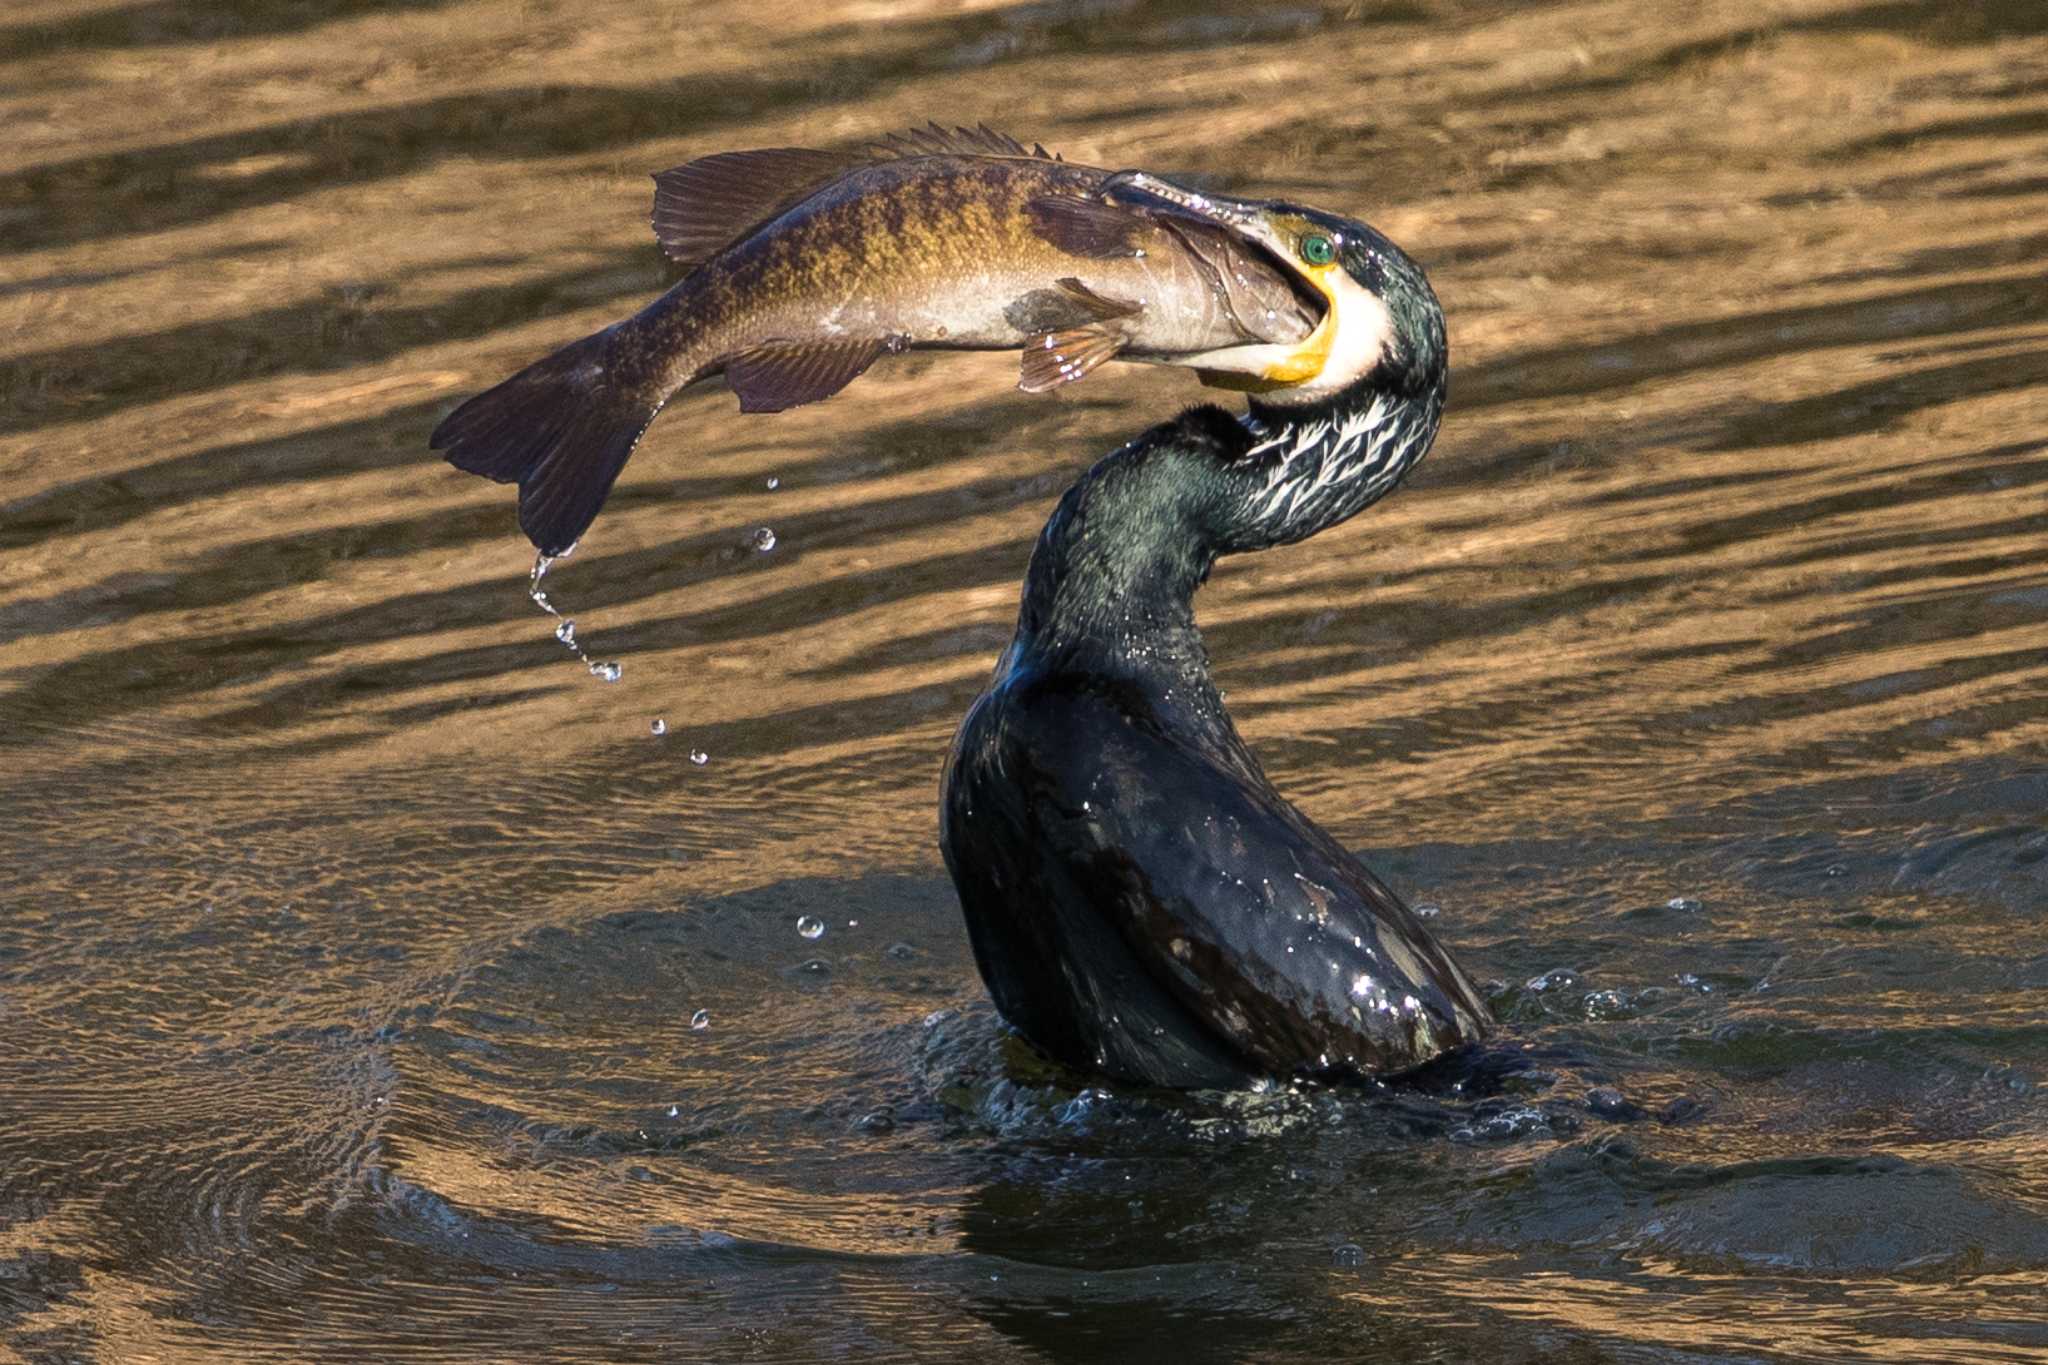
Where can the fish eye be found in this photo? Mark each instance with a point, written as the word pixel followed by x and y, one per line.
pixel 1317 249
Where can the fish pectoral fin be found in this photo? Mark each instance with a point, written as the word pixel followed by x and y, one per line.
pixel 788 374
pixel 1087 228
pixel 1099 306
pixel 1056 358
pixel 705 206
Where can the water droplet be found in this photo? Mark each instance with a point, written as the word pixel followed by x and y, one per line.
pixel 763 540
pixel 701 1020
pixel 566 632
pixel 673 1111
pixel 699 757
pixel 773 483
pixel 1349 1254
pixel 609 671
pixel 657 726
pixel 810 926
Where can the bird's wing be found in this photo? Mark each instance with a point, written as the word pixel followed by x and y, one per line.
pixel 1251 916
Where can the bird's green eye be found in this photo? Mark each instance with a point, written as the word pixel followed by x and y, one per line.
pixel 1317 249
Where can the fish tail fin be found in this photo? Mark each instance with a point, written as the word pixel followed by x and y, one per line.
pixel 562 429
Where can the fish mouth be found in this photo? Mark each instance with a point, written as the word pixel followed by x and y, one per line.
pixel 1175 206
pixel 1350 328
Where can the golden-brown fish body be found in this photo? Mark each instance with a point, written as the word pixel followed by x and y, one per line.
pixel 944 252
pixel 808 266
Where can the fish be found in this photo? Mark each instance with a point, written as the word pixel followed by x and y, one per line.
pixel 805 267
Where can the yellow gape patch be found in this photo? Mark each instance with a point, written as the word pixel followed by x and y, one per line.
pixel 1307 360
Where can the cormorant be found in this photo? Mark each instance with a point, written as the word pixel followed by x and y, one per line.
pixel 1142 903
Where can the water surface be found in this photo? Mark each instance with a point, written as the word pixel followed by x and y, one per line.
pixel 355 940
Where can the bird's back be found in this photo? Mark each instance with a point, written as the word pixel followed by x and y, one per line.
pixel 1142 902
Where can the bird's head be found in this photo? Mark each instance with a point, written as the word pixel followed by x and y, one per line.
pixel 1380 327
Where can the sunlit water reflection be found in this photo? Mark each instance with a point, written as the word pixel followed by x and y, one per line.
pixel 377 983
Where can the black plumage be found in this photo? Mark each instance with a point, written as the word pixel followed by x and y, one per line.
pixel 1141 901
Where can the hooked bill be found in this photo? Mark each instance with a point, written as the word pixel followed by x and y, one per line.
pixel 807 266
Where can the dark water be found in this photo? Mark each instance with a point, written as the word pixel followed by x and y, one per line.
pixel 351 935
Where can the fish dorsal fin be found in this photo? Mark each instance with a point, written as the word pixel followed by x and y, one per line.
pixel 704 206
pixel 788 374
pixel 980 140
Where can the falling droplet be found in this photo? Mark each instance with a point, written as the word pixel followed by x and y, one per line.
pixel 701 1020
pixel 657 726
pixel 773 483
pixel 699 757
pixel 764 540
pixel 810 926
pixel 565 626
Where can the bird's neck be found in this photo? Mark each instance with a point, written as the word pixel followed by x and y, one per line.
pixel 1110 591
pixel 1113 578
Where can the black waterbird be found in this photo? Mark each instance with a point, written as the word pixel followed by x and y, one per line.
pixel 1142 903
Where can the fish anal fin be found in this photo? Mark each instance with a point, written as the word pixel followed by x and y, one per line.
pixel 788 374
pixel 1056 358
pixel 1100 307
pixel 1087 228
pixel 933 140
pixel 706 205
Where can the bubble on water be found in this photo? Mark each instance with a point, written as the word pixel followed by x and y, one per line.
pixel 1554 979
pixel 763 540
pixel 699 757
pixel 701 1020
pixel 773 483
pixel 609 671
pixel 1609 1005
pixel 1347 1255
pixel 566 631
pixel 1685 903
pixel 1428 910
pixel 657 726
pixel 810 926
pixel 1694 983
pixel 880 1121
pixel 1611 1104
